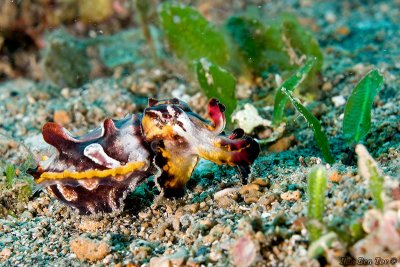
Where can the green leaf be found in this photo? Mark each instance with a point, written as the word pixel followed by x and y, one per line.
pixel 316 205
pixel 259 47
pixel 275 45
pixel 10 173
pixel 313 122
pixel 357 113
pixel 301 39
pixel 290 84
pixel 217 82
pixel 190 36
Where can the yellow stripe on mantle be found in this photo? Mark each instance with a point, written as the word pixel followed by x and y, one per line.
pixel 121 170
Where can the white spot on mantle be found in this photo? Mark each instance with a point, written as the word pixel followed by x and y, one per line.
pixel 96 153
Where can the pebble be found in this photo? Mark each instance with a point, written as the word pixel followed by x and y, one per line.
pixel 252 196
pixel 335 177
pixel 61 117
pixel 330 16
pixel 144 215
pixel 225 202
pixel 343 30
pixel 5 253
pixel 176 259
pixel 338 101
pixel 263 182
pixel 225 192
pixel 282 144
pixel 193 208
pixel 327 86
pixel 160 262
pixel 249 187
pixel 207 224
pixel 244 251
pixel 291 195
pixel 88 225
pixel 266 200
pixel 89 249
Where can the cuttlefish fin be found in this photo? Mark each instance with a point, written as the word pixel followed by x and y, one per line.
pixel 57 136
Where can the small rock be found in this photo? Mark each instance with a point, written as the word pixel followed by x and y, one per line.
pixel 266 200
pixel 330 17
pixel 338 100
pixel 176 223
pixel 160 262
pixel 207 224
pixel 193 208
pixel 261 182
pixel 244 252
pixel 252 197
pixel 5 253
pixel 335 177
pixel 291 195
pixel 226 202
pixel 327 86
pixel 61 117
pixel 108 259
pixel 141 253
pixel 249 187
pixel 176 259
pixel 88 249
pixel 282 144
pixel 343 30
pixel 225 192
pixel 248 118
pixel 88 225
pixel 144 215
pixel 215 256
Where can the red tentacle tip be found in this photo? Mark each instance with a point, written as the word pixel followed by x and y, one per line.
pixel 216 112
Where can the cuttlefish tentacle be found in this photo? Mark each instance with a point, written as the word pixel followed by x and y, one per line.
pixel 216 113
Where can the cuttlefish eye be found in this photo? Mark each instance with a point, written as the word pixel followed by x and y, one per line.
pixel 162 120
pixel 164 113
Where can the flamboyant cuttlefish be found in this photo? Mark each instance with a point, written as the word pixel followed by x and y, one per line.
pixel 94 172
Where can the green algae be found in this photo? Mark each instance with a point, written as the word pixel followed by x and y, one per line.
pixel 190 36
pixel 15 188
pixel 290 85
pixel 274 45
pixel 320 137
pixel 357 114
pixel 316 189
